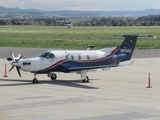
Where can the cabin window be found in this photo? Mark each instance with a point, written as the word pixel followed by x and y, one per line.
pixel 88 57
pixel 72 57
pixel 67 57
pixel 79 57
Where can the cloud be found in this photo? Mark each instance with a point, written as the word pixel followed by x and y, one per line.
pixel 156 4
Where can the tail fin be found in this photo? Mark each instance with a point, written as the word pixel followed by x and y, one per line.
pixel 127 47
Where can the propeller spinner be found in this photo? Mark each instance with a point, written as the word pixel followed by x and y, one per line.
pixel 15 62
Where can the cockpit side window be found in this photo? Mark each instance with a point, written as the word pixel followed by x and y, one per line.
pixel 51 56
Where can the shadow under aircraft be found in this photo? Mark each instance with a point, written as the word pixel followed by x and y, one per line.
pixel 68 83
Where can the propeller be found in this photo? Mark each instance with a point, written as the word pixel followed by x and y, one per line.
pixel 15 62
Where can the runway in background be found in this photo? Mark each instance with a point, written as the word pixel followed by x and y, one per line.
pixel 32 52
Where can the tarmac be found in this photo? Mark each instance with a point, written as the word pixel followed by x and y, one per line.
pixel 120 93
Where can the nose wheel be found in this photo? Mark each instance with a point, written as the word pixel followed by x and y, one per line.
pixel 35 79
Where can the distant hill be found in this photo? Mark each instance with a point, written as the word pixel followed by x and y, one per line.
pixel 3 9
pixel 84 13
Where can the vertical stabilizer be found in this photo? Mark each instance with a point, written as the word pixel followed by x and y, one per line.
pixel 127 47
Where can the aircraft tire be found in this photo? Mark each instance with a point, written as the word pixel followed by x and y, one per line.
pixel 86 79
pixel 35 80
pixel 53 76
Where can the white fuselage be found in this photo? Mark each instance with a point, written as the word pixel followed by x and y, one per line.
pixel 51 57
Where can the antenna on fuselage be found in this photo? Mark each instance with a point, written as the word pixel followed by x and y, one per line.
pixel 90 46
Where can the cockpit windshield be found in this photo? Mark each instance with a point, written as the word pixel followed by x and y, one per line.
pixel 44 54
pixel 47 55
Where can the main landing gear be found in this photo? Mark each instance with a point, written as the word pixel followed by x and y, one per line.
pixel 85 79
pixel 53 76
pixel 83 76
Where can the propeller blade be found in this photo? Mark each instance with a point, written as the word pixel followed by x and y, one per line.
pixel 18 57
pixel 11 68
pixel 18 71
pixel 12 55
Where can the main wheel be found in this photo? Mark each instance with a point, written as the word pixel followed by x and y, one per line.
pixel 35 80
pixel 86 79
pixel 53 76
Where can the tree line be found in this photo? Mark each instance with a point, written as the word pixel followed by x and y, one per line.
pixel 150 20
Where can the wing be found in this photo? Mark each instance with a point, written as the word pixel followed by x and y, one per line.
pixel 89 68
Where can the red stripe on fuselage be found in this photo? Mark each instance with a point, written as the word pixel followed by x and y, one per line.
pixel 54 65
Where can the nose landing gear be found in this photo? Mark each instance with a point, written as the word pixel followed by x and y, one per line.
pixel 35 79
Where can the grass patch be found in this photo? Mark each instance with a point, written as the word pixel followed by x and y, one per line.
pixel 75 37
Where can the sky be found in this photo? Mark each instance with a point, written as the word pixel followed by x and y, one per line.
pixel 82 5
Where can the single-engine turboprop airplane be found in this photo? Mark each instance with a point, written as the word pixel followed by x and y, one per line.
pixel 81 61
